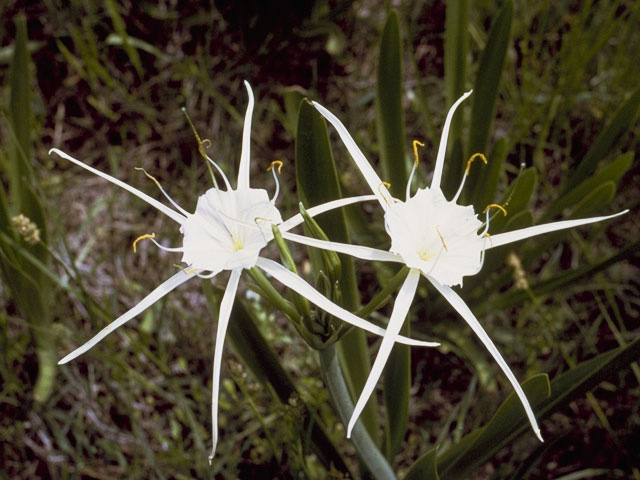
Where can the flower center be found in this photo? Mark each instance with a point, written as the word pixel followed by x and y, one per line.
pixel 436 236
pixel 228 229
pixel 424 254
pixel 237 243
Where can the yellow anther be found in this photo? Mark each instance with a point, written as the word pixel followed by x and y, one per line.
pixel 255 220
pixel 487 235
pixel 142 237
pixel 206 143
pixel 472 158
pixel 191 271
pixel 495 205
pixel 276 164
pixel 386 184
pixel 441 238
pixel 416 143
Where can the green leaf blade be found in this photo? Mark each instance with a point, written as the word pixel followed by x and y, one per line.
pixel 611 172
pixel 390 124
pixel 485 90
pixel 510 422
pixel 389 113
pixel 455 69
pixel 622 119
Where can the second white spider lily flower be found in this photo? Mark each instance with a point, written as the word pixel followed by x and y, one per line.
pixel 438 239
pixel 226 233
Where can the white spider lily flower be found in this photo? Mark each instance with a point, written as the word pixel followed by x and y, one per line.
pixel 438 239
pixel 227 232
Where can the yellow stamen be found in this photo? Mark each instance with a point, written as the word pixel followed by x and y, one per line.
pixel 386 185
pixel 487 235
pixel 184 269
pixel 495 205
pixel 416 143
pixel 441 238
pixel 472 158
pixel 151 177
pixel 202 144
pixel 275 164
pixel 143 237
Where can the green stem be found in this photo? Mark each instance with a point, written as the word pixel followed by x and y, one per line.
pixel 365 446
pixel 271 294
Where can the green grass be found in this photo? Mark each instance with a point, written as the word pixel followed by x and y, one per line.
pixel 107 87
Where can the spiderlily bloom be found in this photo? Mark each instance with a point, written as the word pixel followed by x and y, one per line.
pixel 226 233
pixel 435 238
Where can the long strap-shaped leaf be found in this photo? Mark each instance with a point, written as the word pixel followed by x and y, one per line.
pixel 509 422
pixel 33 303
pixel 389 114
pixel 605 141
pixel 390 128
pixel 486 85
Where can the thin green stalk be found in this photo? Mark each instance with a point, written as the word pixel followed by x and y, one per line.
pixel 365 446
pixel 271 294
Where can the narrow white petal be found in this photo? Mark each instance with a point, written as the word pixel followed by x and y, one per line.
pixel 223 321
pixel 358 251
pixel 151 201
pixel 458 304
pixel 243 172
pixel 398 315
pixel 442 149
pixel 372 178
pixel 160 291
pixel 510 237
pixel 294 282
pixel 322 208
